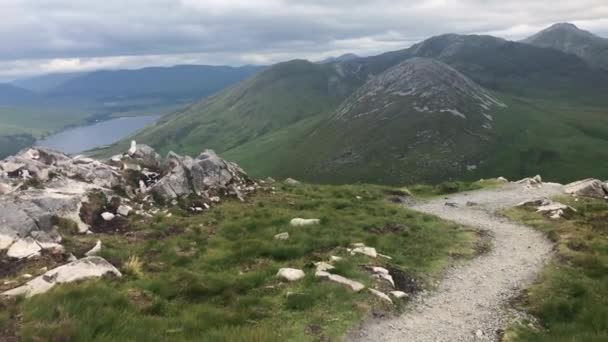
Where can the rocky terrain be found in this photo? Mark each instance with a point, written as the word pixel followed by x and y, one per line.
pixel 40 187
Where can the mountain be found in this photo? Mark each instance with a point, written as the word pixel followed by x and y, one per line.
pixel 12 95
pixel 187 82
pixel 343 58
pixel 570 39
pixel 47 82
pixel 277 97
pixel 450 107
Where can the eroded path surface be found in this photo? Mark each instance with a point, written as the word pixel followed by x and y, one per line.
pixel 470 302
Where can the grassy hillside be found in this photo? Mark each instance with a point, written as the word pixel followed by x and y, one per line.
pixel 212 276
pixel 276 98
pixel 570 300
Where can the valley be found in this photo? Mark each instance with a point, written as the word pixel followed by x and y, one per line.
pixel 452 189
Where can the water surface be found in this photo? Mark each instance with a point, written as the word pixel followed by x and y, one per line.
pixel 83 138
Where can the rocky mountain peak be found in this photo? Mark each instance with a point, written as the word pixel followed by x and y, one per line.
pixel 420 85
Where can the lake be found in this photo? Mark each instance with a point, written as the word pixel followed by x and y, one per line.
pixel 83 138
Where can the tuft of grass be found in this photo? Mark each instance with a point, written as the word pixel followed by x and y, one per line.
pixel 570 299
pixel 134 266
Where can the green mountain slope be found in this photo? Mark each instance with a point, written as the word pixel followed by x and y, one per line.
pixel 569 38
pixel 286 121
pixel 276 98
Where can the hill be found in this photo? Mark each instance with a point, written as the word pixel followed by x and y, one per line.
pixel 283 123
pixel 570 39
pixel 47 82
pixel 12 95
pixel 189 82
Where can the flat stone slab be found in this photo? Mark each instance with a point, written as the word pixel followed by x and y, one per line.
pixel 89 267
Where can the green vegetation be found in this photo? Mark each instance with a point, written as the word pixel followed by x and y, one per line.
pixel 211 276
pixel 446 188
pixel 571 297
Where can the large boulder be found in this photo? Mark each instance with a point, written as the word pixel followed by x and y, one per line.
pixel 205 175
pixel 89 267
pixel 587 188
pixel 145 156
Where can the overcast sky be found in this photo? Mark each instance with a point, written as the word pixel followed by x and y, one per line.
pixel 42 36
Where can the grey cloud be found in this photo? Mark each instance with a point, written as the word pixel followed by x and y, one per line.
pixel 34 32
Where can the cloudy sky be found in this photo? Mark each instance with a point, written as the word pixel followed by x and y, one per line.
pixel 42 36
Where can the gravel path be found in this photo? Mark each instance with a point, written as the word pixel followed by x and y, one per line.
pixel 470 303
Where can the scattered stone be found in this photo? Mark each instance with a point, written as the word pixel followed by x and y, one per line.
pixel 95 250
pixel 5 241
pixel 282 236
pixel 353 285
pixel 324 266
pixel 124 210
pixel 587 188
pixel 133 147
pixel 502 180
pixel 291 274
pixel 381 295
pixel 334 258
pixel 300 222
pixel 108 216
pixel 369 251
pixel 291 181
pixel 479 334
pixel 24 248
pixel 399 294
pixel 379 270
pixel 89 267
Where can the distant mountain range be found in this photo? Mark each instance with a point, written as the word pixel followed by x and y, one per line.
pixel 343 58
pixel 450 107
pixel 12 95
pixel 570 39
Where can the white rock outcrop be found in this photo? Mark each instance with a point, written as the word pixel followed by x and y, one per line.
pixel 24 248
pixel 381 295
pixel 300 222
pixel 291 274
pixel 587 188
pixel 89 267
pixel 351 284
pixel 95 250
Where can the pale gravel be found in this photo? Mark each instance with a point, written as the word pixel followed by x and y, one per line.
pixel 474 295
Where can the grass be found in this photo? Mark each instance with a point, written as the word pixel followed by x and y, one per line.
pixel 570 300
pixel 212 276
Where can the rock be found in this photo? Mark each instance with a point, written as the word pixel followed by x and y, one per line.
pixel 5 189
pixel 23 248
pixel 554 207
pixel 369 251
pixel 282 236
pixel 381 295
pixel 586 188
pixel 379 270
pixel 479 334
pixel 291 274
pixel 108 216
pixel 399 294
pixel 300 222
pixel 5 241
pixel 353 285
pixel 291 181
pixel 502 180
pixel 95 250
pixel 89 267
pixel 535 202
pixel 323 266
pixel 387 277
pixel 334 258
pixel 146 157
pixel 133 148
pixel 124 210
pixel 538 179
pixel 534 182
